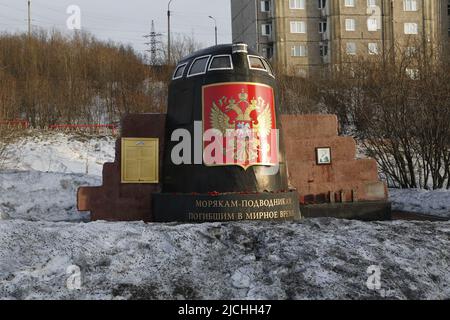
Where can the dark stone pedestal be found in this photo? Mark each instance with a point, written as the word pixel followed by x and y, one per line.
pixel 281 206
pixel 365 211
pixel 349 188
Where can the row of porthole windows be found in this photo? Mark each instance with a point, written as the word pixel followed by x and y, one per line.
pixel 219 62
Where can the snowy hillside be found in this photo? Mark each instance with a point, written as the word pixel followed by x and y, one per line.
pixel 43 239
pixel 43 172
pixel 61 153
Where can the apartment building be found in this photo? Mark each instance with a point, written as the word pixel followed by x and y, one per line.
pixel 313 36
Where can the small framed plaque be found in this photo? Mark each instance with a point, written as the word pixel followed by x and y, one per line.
pixel 140 160
pixel 323 156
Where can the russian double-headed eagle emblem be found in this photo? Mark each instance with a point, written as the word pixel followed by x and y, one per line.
pixel 244 114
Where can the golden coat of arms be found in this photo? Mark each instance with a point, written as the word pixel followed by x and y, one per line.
pixel 244 115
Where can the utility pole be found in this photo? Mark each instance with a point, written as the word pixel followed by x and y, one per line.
pixel 154 42
pixel 168 34
pixel 215 26
pixel 29 18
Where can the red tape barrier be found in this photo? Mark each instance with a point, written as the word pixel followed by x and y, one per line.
pixel 112 127
pixel 23 124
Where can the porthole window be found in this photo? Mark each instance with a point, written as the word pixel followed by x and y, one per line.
pixel 269 68
pixel 179 71
pixel 256 63
pixel 222 62
pixel 198 66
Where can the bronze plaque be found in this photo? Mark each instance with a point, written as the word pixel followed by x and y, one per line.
pixel 140 160
pixel 279 206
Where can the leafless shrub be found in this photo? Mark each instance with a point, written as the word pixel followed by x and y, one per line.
pixel 8 135
pixel 399 109
pixel 298 95
pixel 182 46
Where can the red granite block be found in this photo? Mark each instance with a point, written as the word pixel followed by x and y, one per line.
pixel 342 148
pixel 374 191
pixel 309 126
pixel 115 201
pixel 85 195
pixel 356 170
pixel 144 125
pixel 111 174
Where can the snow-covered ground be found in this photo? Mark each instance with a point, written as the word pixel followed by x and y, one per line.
pixel 436 202
pixel 39 181
pixel 426 202
pixel 61 153
pixel 313 259
pixel 35 195
pixel 44 242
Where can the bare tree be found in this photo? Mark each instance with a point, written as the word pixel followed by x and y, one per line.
pixel 8 135
pixel 182 46
pixel 399 109
pixel 51 79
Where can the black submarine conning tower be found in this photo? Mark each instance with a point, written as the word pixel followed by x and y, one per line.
pixel 222 88
pixel 216 65
pixel 235 73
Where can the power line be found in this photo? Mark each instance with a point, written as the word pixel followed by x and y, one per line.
pixel 47 22
pixel 154 44
pixel 14 8
pixel 11 18
pixel 197 14
pixel 25 11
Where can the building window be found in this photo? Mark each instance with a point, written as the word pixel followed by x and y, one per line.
pixel 265 6
pixel 297 4
pixel 373 48
pixel 298 27
pixel 299 51
pixel 371 3
pixel 323 50
pixel 351 48
pixel 410 5
pixel 267 52
pixel 322 4
pixel 322 26
pixel 349 3
pixel 266 29
pixel 372 24
pixel 412 73
pixel 350 24
pixel 411 51
pixel 411 28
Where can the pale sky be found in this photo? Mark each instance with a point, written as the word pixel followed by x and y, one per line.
pixel 126 20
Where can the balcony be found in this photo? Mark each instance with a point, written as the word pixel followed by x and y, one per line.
pixel 325 12
pixel 266 38
pixel 325 35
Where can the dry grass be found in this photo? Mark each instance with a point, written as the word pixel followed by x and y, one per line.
pixel 8 136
